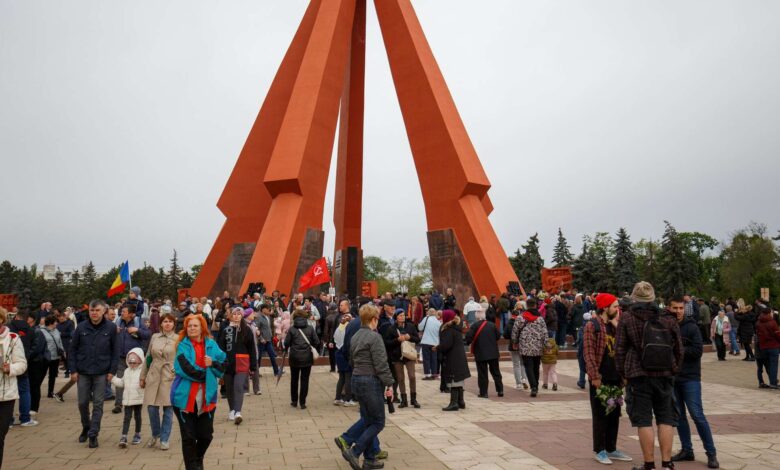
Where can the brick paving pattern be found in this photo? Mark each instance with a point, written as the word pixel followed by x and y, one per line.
pixel 513 432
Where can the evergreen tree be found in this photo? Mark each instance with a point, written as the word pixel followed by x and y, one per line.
pixel 8 277
pixel 516 261
pixel 624 263
pixel 531 264
pixel 646 252
pixel 562 254
pixel 174 275
pixel 583 269
pixel 676 272
pixel 89 288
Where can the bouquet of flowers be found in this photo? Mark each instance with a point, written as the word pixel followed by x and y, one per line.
pixel 610 396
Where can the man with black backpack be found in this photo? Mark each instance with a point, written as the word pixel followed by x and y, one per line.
pixel 648 355
pixel 598 351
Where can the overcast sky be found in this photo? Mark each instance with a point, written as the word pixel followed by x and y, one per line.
pixel 120 121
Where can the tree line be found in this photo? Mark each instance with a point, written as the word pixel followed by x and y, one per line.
pixel 84 285
pixel 677 264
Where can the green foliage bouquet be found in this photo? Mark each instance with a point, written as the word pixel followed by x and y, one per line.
pixel 610 396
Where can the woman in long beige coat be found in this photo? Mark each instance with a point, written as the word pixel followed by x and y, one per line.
pixel 156 379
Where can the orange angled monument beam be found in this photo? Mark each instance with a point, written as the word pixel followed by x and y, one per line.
pixel 453 182
pixel 245 201
pixel 297 174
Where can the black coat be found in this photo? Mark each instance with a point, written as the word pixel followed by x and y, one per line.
pixel 690 370
pixel 299 351
pixel 454 367
pixel 485 347
pixel 393 346
pixel 234 343
pixel 94 349
pixel 747 324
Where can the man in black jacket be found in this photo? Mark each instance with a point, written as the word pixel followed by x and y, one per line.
pixel 20 326
pixel 483 337
pixel 93 360
pixel 687 388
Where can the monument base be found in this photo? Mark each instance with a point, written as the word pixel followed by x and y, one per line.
pixel 311 251
pixel 449 268
pixel 232 274
pixel 348 271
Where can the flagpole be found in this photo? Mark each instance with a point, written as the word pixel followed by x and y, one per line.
pixel 129 276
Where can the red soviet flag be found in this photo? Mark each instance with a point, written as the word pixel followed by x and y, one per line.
pixel 316 275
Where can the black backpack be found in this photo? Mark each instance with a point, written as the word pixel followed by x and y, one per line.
pixel 657 353
pixel 596 329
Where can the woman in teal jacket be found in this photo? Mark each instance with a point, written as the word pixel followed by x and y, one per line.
pixel 198 366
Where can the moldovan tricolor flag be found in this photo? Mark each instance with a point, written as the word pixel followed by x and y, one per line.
pixel 121 280
pixel 316 275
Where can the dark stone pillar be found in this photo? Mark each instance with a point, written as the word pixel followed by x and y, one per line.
pixel 348 271
pixel 310 252
pixel 232 274
pixel 449 267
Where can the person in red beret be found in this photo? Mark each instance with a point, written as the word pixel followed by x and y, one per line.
pixel 598 349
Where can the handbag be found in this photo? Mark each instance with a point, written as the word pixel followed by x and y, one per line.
pixel 313 351
pixel 408 351
pixel 242 363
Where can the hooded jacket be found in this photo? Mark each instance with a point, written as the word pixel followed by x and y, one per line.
pixel 692 344
pixel 530 333
pixel 132 394
pixel 628 341
pixel 300 350
pixel 768 332
pixel 13 354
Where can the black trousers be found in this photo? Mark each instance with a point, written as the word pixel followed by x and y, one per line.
pixel 531 365
pixel 747 341
pixel 720 346
pixel 299 374
pixel 196 434
pixel 53 368
pixel 332 358
pixel 132 411
pixel 37 371
pixel 6 416
pixel 605 426
pixel 482 376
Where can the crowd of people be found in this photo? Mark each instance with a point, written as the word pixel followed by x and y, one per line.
pixel 178 361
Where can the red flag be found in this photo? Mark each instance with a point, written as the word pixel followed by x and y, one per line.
pixel 316 275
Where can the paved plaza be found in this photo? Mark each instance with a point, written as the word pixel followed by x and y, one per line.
pixel 514 432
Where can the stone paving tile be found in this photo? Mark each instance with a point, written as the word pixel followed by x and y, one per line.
pixel 276 436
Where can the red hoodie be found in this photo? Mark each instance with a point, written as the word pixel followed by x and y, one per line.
pixel 768 332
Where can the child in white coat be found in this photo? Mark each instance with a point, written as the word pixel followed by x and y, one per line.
pixel 132 396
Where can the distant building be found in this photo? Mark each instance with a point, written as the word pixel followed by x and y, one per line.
pixel 49 272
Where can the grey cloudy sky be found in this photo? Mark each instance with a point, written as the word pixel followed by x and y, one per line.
pixel 120 121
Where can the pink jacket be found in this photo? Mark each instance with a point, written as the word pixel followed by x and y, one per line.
pixel 726 329
pixel 282 325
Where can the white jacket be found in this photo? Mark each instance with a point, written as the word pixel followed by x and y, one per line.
pixel 132 394
pixel 13 354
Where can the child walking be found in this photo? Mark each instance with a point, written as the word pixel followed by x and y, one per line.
pixel 132 396
pixel 549 359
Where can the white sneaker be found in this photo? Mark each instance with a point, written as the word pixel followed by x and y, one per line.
pixel 338 402
pixel 231 415
pixel 33 413
pixel 238 418
pixel 518 386
pixel 164 445
pixel 350 403
pixel 32 422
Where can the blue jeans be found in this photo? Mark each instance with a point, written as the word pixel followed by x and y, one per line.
pixel 164 432
pixel 268 348
pixel 369 392
pixel 23 385
pixel 353 434
pixel 770 360
pixel 471 317
pixel 733 339
pixel 688 395
pixel 430 360
pixel 504 321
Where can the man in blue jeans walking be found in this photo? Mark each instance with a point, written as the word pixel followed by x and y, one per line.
pixel 264 340
pixel 371 381
pixel 687 388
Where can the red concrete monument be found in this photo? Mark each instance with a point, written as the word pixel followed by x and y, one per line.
pixel 273 200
